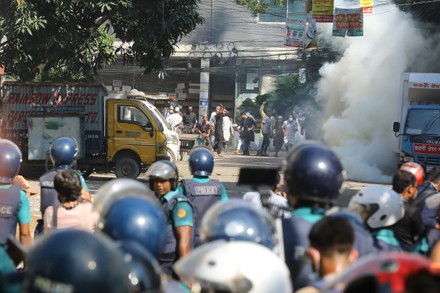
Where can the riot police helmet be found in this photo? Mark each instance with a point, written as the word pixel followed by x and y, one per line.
pixel 201 162
pixel 236 219
pixel 10 160
pixel 163 170
pixel 72 260
pixel 314 172
pixel 137 219
pixel 64 152
pixel 145 274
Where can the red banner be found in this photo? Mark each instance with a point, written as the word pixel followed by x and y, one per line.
pixel 429 149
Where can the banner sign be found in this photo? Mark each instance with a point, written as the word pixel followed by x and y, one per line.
pixel 348 22
pixel 301 32
pixel 322 10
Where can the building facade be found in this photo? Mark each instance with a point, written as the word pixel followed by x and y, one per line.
pixel 230 57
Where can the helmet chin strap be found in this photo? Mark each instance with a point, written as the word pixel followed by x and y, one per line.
pixel 5 180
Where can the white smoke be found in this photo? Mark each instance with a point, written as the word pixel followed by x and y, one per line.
pixel 361 92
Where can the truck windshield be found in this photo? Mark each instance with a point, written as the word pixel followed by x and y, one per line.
pixel 423 121
pixel 159 117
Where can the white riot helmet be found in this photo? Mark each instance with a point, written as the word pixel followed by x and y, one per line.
pixel 384 205
pixel 238 266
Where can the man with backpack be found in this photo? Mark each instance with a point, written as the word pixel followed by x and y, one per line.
pixel 409 229
pixel 201 190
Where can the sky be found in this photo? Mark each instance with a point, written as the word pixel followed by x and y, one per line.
pixel 361 91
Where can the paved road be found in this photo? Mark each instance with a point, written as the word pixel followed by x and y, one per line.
pixel 226 170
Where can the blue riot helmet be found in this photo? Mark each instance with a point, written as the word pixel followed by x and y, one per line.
pixel 236 219
pixel 313 172
pixel 145 274
pixel 137 219
pixel 74 261
pixel 64 152
pixel 201 162
pixel 10 161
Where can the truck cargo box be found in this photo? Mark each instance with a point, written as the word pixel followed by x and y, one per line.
pixel 49 101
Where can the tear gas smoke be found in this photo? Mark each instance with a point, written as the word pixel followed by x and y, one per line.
pixel 361 92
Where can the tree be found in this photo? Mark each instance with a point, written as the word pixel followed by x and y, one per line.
pixel 258 6
pixel 40 37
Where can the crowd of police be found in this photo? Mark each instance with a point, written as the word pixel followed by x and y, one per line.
pixel 186 235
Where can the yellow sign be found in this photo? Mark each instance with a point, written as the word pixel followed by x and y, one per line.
pixel 367 6
pixel 322 10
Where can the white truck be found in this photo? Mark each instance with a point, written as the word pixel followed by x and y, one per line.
pixel 418 119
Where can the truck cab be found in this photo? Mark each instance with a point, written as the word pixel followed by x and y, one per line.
pixel 173 143
pixel 421 136
pixel 418 127
pixel 134 137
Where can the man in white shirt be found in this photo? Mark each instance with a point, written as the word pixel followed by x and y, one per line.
pixel 290 127
pixel 274 203
pixel 175 119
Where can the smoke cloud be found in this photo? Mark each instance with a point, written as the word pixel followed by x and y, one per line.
pixel 361 91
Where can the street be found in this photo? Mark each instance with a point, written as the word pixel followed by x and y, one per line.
pixel 226 170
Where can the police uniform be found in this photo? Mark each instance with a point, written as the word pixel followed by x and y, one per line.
pixel 14 208
pixel 296 242
pixel 203 192
pixel 48 194
pixel 385 240
pixel 7 267
pixel 214 187
pixel 179 212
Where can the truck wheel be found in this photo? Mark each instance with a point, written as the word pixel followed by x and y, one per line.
pixel 127 168
pixel 171 155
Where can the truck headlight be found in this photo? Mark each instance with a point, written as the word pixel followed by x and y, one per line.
pixel 404 157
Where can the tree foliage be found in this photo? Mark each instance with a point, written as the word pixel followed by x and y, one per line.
pixel 76 38
pixel 258 6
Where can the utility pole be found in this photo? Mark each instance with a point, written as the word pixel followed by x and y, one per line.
pixel 212 21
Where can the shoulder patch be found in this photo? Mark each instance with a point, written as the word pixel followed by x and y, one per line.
pixel 181 213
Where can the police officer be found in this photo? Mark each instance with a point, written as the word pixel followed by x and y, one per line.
pixel 63 153
pixel 14 204
pixel 380 208
pixel 163 179
pixel 313 177
pixel 201 190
